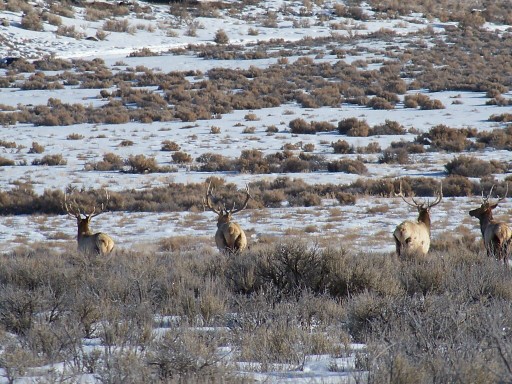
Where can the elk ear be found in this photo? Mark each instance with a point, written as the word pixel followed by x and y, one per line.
pixel 491 207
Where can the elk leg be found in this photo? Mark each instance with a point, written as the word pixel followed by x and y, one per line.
pixel 398 246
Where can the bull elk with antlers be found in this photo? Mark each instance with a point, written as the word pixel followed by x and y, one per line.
pixel 229 237
pixel 91 243
pixel 497 236
pixel 413 237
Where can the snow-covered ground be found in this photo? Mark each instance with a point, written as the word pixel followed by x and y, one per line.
pixel 195 139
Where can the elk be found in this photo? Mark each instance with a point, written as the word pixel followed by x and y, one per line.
pixel 229 237
pixel 413 237
pixel 90 243
pixel 497 236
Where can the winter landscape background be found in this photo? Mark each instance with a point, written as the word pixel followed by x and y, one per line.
pixel 321 108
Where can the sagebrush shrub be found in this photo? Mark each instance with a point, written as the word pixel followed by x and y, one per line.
pixel 110 162
pixel 394 156
pixel 36 148
pixel 347 166
pixel 380 103
pixel 117 26
pixel 353 127
pixel 32 21
pixel 300 125
pixel 470 166
pixel 446 138
pixel 213 162
pixel 343 147
pixel 50 160
pixel 5 161
pixel 181 157
pixel 423 101
pixel 389 127
pixel 221 37
pixel 168 145
pixel 141 164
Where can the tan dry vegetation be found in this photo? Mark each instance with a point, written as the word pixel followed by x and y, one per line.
pixel 468 63
pixel 311 301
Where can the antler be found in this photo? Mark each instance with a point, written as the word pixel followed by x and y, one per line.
pixel 104 205
pixel 69 210
pixel 414 203
pixel 401 194
pixel 73 208
pixel 486 199
pixel 247 198
pixel 438 198
pixel 207 202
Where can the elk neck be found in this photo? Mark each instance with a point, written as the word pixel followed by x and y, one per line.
pixel 424 217
pixel 485 219
pixel 83 228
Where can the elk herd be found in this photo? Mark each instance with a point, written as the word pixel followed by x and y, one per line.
pixel 412 237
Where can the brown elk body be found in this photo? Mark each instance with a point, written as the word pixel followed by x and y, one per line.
pixel 497 236
pixel 229 237
pixel 90 243
pixel 413 237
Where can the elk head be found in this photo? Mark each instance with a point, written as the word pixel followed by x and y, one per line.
pixel 485 210
pixel 224 214
pixel 497 236
pixel 229 236
pixel 88 242
pixel 422 207
pixel 413 237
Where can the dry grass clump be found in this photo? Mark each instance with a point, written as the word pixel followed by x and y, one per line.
pixel 110 162
pixel 353 127
pixel 442 137
pixel 36 148
pixel 342 147
pixel 4 161
pixel 221 37
pixel 181 157
pixel 168 145
pixel 451 306
pixel 145 164
pixel 444 317
pixel 422 101
pixel 50 160
pixel 372 147
pixel 51 18
pixel 95 14
pixel 75 136
pixel 380 103
pixel 497 138
pixel 62 8
pixel 501 118
pixel 394 156
pixel 143 52
pixel 185 354
pixel 457 185
pixel 347 166
pixel 69 31
pixel 32 21
pixel 7 144
pixel 299 126
pixel 213 162
pixel 389 127
pixel 122 25
pixel 40 81
pixel 470 166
